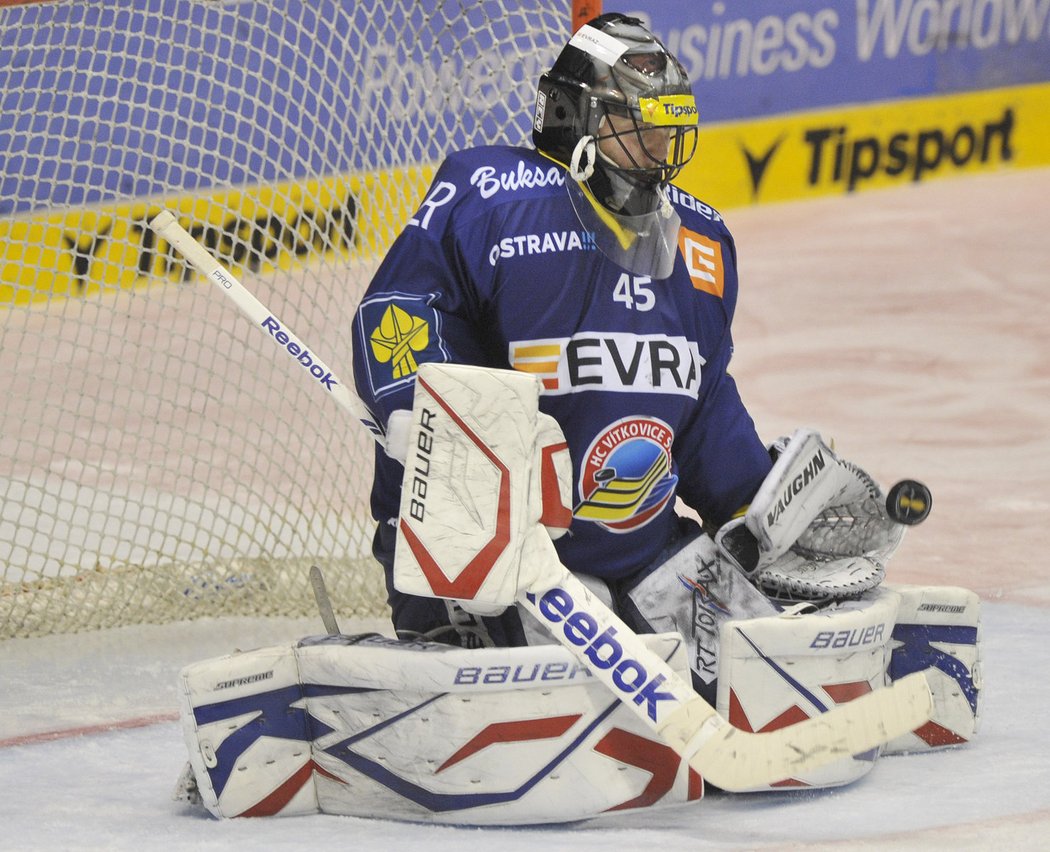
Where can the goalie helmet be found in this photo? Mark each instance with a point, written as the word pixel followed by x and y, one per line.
pixel 618 111
pixel 614 68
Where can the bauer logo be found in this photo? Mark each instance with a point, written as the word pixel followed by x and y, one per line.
pixel 873 634
pixel 317 369
pixel 504 675
pixel 603 651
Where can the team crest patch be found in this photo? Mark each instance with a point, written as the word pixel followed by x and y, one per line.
pixel 626 478
pixel 400 333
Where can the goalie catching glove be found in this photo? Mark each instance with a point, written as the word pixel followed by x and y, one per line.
pixel 816 530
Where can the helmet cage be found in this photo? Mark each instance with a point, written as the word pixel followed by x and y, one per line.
pixel 643 144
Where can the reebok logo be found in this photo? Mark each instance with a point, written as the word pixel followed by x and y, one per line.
pixel 628 676
pixel 301 354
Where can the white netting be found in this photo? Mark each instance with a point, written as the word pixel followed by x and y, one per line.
pixel 159 460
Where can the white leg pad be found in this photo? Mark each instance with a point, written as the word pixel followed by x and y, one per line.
pixel 777 670
pixel 423 732
pixel 247 735
pixel 938 632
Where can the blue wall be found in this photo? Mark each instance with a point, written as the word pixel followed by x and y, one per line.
pixel 764 57
pixel 114 99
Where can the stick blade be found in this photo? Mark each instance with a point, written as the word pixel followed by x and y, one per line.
pixel 324 603
pixel 738 761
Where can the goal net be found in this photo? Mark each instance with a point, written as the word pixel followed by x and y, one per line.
pixel 160 460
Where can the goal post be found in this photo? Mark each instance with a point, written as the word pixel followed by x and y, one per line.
pixel 159 462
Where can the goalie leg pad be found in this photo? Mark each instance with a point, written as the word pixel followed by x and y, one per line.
pixel 778 670
pixel 432 733
pixel 938 632
pixel 247 735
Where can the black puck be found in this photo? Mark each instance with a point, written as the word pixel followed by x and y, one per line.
pixel 909 502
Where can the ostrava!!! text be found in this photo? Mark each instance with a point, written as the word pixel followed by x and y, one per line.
pixel 603 651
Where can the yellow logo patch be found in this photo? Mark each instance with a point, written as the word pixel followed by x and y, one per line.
pixel 669 110
pixel 397 337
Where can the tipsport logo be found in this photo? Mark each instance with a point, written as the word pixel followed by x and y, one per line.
pixel 626 476
pixel 669 110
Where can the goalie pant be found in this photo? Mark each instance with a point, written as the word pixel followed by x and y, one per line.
pixel 423 732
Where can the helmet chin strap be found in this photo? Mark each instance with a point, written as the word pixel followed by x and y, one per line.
pixel 586 149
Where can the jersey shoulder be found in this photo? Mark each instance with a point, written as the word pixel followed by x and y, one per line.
pixel 472 184
pixel 494 174
pixel 698 215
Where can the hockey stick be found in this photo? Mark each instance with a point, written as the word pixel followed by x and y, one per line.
pixel 167 227
pixel 728 757
pixel 324 603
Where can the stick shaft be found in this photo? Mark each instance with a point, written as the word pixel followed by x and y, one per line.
pixel 166 225
pixel 729 758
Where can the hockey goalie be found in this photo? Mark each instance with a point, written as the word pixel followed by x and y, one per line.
pixel 545 350
pixel 779 617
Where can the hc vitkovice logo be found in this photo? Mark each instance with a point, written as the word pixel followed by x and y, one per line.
pixel 626 477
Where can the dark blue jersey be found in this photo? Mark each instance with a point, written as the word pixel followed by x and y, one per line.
pixel 496 270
